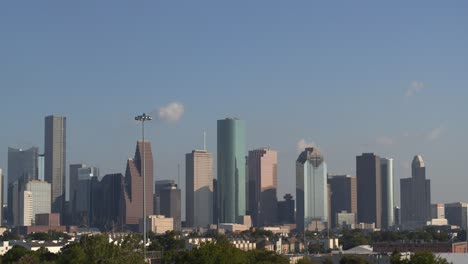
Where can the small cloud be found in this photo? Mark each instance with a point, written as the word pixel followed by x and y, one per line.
pixel 171 113
pixel 302 144
pixel 415 87
pixel 435 133
pixel 385 141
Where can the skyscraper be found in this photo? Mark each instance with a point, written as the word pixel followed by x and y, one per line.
pixel 343 196
pixel 72 191
pixel 40 191
pixel 263 184
pixel 55 159
pixel 388 219
pixel 170 204
pixel 22 164
pixel 369 189
pixel 158 187
pixel 311 190
pixel 40 167
pixel 286 210
pixel 415 196
pixel 457 214
pixel 134 185
pixel 231 170
pixel 199 188
pixel 82 206
pixel 109 203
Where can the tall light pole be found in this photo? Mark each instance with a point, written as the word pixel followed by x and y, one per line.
pixel 142 118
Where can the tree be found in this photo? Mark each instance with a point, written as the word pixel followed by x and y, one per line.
pixel 353 260
pixel 262 256
pixel 418 258
pixel 7 235
pixel 305 260
pixel 14 254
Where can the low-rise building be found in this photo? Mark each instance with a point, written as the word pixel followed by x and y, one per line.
pixel 415 246
pixel 158 224
pixel 191 243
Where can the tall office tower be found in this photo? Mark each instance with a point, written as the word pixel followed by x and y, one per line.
pixel 369 189
pixel 387 192
pixel 343 191
pixel 215 201
pixel 40 191
pixel 263 183
pixel 55 159
pixel 457 214
pixel 22 164
pixel 158 186
pixel 26 215
pixel 231 170
pixel 170 204
pixel 199 188
pixel 134 185
pixel 415 196
pixel 286 210
pixel 13 203
pixel 109 203
pixel 72 183
pixel 438 211
pixel 311 190
pixel 82 206
pixel 40 167
pixel 397 215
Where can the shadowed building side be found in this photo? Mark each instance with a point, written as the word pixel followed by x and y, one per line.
pixel 369 189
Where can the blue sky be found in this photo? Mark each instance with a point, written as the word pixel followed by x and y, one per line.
pixel 351 77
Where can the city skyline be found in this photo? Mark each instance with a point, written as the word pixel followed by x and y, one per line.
pixel 265 63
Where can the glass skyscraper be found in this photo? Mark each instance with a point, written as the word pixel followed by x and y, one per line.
pixel 311 190
pixel 231 170
pixel 387 192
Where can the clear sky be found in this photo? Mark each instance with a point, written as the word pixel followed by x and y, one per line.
pixel 349 76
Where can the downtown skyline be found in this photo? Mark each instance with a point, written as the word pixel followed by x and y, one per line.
pixel 393 87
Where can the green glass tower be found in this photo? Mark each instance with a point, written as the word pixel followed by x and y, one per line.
pixel 231 170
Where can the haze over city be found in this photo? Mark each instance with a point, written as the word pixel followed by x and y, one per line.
pixel 349 79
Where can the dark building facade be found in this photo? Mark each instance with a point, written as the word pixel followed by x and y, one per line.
pixel 22 164
pixel 415 196
pixel 457 214
pixel 369 189
pixel 109 203
pixel 343 191
pixel 170 204
pixel 286 210
pixel 134 185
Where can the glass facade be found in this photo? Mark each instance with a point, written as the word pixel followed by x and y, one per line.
pixel 387 192
pixel 231 170
pixel 311 190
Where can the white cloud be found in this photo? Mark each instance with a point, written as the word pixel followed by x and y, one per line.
pixel 435 133
pixel 385 141
pixel 302 144
pixel 415 87
pixel 172 112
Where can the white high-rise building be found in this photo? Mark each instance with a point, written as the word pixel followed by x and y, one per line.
pixel 386 172
pixel 41 203
pixel 199 188
pixel 26 214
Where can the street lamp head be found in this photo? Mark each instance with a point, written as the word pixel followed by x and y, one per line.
pixel 143 118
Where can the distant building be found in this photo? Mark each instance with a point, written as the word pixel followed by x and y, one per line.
pixel 72 184
pixel 55 160
pixel 22 164
pixel 199 188
pixel 40 191
pixel 262 186
pixel 158 186
pixel 109 203
pixel 311 190
pixel 438 211
pixel 134 184
pixel 171 205
pixel 415 196
pixel 26 208
pixel 387 192
pixel 343 196
pixel 83 196
pixel 457 214
pixel 231 170
pixel 40 167
pixel 158 224
pixel 397 215
pixel 286 210
pixel 369 189
pixel 215 202
pixel 47 220
pixel 437 247
pixel 345 220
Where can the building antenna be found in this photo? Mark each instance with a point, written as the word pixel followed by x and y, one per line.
pixel 204 140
